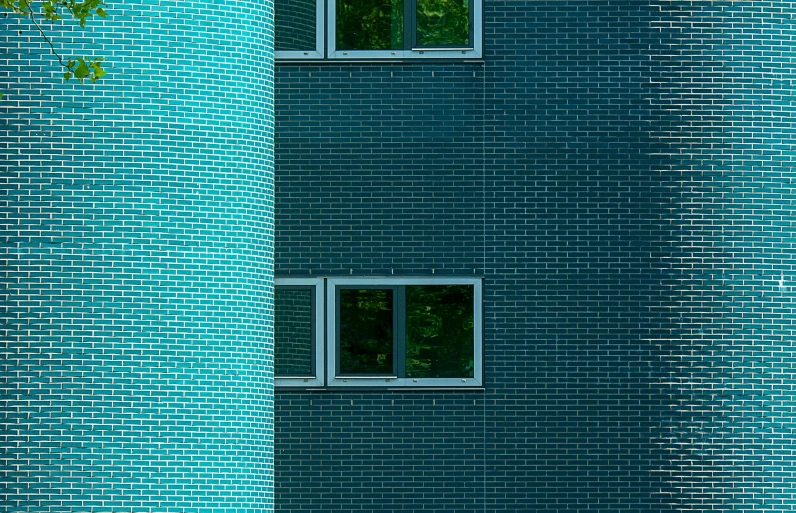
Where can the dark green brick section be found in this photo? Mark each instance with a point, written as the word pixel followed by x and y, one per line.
pixel 374 163
pixel 621 174
pixel 137 271
pixel 379 452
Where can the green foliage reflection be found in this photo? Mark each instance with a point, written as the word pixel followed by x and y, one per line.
pixel 370 24
pixel 366 331
pixel 443 22
pixel 439 331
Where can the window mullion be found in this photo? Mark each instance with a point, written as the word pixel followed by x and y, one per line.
pixel 325 30
pixel 399 354
pixel 337 304
pixel 410 24
pixel 471 34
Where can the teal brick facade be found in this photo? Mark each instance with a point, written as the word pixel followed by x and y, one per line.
pixel 620 172
pixel 138 263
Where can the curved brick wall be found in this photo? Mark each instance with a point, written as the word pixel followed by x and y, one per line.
pixel 728 97
pixel 138 263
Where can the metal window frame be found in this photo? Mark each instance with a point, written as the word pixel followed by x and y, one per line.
pixel 332 307
pixel 325 36
pixel 410 51
pixel 318 378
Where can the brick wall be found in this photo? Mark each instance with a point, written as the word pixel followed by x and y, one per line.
pixel 137 263
pixel 621 174
pixel 380 168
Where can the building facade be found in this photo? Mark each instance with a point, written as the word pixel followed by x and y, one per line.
pixel 529 255
pixel 618 175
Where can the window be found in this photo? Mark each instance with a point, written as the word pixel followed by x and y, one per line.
pixel 298 341
pixel 299 29
pixel 385 332
pixel 378 29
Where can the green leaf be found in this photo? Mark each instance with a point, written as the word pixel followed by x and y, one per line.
pixel 98 71
pixel 101 12
pixel 81 71
pixel 50 10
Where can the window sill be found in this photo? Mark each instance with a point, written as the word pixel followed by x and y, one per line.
pixel 361 389
pixel 398 61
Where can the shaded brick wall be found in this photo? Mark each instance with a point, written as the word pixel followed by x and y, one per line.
pixel 621 174
pixel 374 163
pixel 137 263
pixel 380 169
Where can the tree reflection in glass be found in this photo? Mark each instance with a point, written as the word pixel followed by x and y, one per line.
pixel 443 23
pixel 439 331
pixel 366 331
pixel 369 25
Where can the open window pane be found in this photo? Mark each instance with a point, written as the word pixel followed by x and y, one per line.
pixel 369 25
pixel 439 331
pixel 295 25
pixel 443 23
pixel 293 332
pixel 366 331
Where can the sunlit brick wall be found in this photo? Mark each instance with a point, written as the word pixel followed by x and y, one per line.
pixel 137 262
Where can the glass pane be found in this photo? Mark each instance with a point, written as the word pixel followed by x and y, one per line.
pixel 439 331
pixel 293 332
pixel 366 331
pixel 443 23
pixel 295 25
pixel 370 25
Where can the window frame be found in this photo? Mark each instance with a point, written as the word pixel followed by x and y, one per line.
pixel 326 32
pixel 317 52
pixel 335 379
pixel 318 379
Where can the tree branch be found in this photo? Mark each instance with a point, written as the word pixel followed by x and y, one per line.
pixel 78 67
pixel 32 17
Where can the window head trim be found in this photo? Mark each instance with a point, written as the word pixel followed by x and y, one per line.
pixel 318 346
